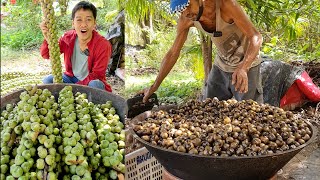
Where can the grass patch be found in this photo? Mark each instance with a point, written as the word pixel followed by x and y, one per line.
pixel 181 85
pixel 8 54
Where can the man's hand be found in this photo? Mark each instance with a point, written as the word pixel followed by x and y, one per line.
pixel 240 80
pixel 44 30
pixel 147 92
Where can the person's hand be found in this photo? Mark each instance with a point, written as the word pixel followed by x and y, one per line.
pixel 240 80
pixel 44 30
pixel 147 93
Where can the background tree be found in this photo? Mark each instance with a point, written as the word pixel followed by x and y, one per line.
pixel 63 4
pixel 145 16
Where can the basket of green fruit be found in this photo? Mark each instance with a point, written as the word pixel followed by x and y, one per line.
pixel 61 131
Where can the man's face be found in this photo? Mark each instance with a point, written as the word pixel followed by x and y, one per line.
pixel 84 23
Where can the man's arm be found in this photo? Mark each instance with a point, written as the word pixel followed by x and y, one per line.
pixel 44 50
pixel 243 22
pixel 172 55
pixel 240 18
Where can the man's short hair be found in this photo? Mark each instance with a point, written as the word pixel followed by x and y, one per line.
pixel 86 6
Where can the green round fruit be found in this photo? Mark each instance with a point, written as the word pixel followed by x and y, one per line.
pixel 10 178
pixel 25 167
pixel 26 154
pixel 16 171
pixel 42 152
pixel 40 163
pixel 4 168
pixel 70 158
pixel 75 177
pixel 50 160
pixel 73 168
pixel 80 170
pixel 6 137
pixel 51 176
pixel 18 160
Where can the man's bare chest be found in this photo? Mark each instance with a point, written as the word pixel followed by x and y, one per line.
pixel 209 21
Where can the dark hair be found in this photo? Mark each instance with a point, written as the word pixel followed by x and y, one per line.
pixel 86 6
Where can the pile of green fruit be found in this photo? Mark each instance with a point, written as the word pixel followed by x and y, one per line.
pixel 11 81
pixel 52 38
pixel 68 138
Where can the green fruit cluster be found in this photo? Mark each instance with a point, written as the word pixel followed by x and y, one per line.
pixel 70 138
pixel 16 85
pixel 63 4
pixel 17 74
pixel 111 138
pixel 29 127
pixel 18 80
pixel 53 45
pixel 74 140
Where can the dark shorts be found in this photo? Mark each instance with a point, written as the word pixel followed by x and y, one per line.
pixel 219 85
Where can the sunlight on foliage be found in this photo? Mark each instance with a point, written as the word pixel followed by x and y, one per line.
pixel 185 85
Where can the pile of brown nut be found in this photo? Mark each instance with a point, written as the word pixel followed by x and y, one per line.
pixel 224 128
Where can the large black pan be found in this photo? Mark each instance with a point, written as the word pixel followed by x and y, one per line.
pixel 94 95
pixel 196 167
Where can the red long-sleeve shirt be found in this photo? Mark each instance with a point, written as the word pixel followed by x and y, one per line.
pixel 99 54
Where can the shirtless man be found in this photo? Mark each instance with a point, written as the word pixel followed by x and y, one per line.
pixel 236 69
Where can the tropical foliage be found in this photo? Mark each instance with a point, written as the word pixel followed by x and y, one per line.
pixel 288 26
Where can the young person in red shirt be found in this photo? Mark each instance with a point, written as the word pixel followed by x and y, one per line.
pixel 86 52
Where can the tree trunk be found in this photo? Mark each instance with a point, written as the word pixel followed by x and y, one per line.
pixel 206 46
pixel 105 3
pixel 146 30
pixel 151 32
pixel 63 4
